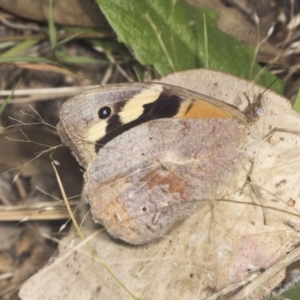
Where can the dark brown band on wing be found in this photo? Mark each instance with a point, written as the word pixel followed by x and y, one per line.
pixel 166 106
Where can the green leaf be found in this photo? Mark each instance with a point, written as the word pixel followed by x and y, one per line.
pixel 296 105
pixel 289 292
pixel 16 59
pixel 67 58
pixel 170 35
pixel 67 39
pixel 19 48
pixel 51 26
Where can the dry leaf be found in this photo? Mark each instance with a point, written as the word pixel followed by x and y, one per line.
pixel 237 246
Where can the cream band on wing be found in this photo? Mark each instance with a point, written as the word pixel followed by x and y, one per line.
pixel 96 131
pixel 135 106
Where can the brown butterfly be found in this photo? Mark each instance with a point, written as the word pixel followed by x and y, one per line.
pixel 153 153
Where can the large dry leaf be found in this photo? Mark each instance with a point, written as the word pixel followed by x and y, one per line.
pixel 237 245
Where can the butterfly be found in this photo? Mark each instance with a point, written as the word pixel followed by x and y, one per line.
pixel 153 153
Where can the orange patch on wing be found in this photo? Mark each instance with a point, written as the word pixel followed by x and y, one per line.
pixel 202 109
